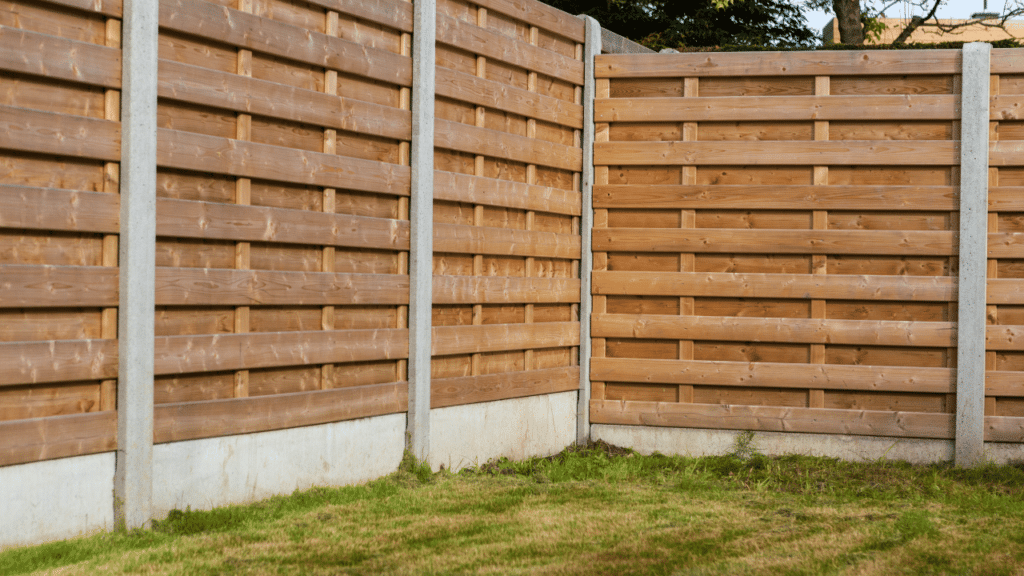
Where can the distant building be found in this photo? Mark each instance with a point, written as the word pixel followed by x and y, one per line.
pixel 926 34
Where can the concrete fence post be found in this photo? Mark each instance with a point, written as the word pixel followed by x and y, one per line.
pixel 591 48
pixel 974 143
pixel 421 216
pixel 133 470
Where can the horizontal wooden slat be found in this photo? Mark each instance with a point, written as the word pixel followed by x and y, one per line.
pixel 191 420
pixel 462 239
pixel 218 352
pixel 798 286
pixel 38 132
pixel 776 375
pixel 1006 245
pixel 1004 337
pixel 539 15
pixel 455 187
pixel 1004 429
pixel 778 108
pixel 1006 107
pixel 24 286
pixel 894 242
pixel 780 197
pixel 59 58
pixel 1006 153
pixel 802 330
pixel 490 387
pixel 449 340
pixel 820 63
pixel 789 153
pixel 773 419
pixel 1004 383
pixel 106 7
pixel 198 85
pixel 237 28
pixel 471 38
pixel 212 220
pixel 220 287
pixel 504 290
pixel 497 144
pixel 1006 198
pixel 1006 61
pixel 391 13
pixel 202 153
pixel 36 439
pixel 55 209
pixel 57 361
pixel 1005 291
pixel 499 96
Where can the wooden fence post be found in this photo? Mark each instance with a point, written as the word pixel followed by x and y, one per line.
pixel 133 472
pixel 421 222
pixel 974 143
pixel 591 48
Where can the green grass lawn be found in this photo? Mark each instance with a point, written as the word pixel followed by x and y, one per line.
pixel 598 510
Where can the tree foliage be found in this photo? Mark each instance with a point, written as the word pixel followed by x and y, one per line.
pixel 684 23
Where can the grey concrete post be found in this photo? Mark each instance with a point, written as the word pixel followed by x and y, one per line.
pixel 591 48
pixel 970 370
pixel 421 216
pixel 133 471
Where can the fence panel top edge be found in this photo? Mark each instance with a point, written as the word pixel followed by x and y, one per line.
pixel 395 14
pixel 1007 61
pixel 112 8
pixel 540 15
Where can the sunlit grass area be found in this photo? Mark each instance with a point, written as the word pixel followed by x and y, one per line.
pixel 593 510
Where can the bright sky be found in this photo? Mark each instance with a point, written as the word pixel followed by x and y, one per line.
pixel 949 9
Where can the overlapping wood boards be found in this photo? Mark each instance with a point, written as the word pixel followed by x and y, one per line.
pixel 60 75
pixel 775 241
pixel 283 234
pixel 507 201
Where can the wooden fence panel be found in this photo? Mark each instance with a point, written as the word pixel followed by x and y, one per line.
pixel 506 201
pixel 776 235
pixel 60 79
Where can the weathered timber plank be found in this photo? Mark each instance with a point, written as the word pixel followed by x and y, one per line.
pixel 539 15
pixel 391 13
pixel 773 419
pixel 38 439
pixel 111 8
pixel 1006 245
pixel 1004 383
pixel 776 375
pixel 793 330
pixel 781 197
pixel 1006 198
pixel 505 193
pixel 212 220
pixel 226 287
pixel 793 153
pixel 55 209
pixel 244 30
pixel 449 340
pixel 191 420
pixel 1004 337
pixel 1004 429
pixel 219 352
pixel 497 144
pixel 778 108
pixel 24 286
pixel 799 286
pixel 504 290
pixel 488 388
pixel 244 94
pixel 1005 291
pixel 59 58
pixel 38 132
pixel 1006 107
pixel 465 36
pixel 57 361
pixel 463 239
pixel 499 96
pixel 1006 153
pixel 1006 61
pixel 845 63
pixel 893 242
pixel 201 153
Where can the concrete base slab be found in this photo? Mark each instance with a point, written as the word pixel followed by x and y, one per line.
pixel 518 428
pixel 704 442
pixel 203 474
pixel 56 499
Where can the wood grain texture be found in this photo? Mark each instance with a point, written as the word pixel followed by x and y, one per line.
pixel 842 152
pixel 395 14
pixel 450 340
pixel 507 98
pixel 1004 337
pixel 226 287
pixel 26 52
pixel 36 439
pixel 1005 291
pixel 1004 429
pixel 798 286
pixel 54 209
pixel 192 420
pixel 539 15
pixel 802 330
pixel 26 130
pixel 773 419
pixel 469 189
pixel 776 375
pixel 1004 383
pixel 464 239
pixel 26 286
pixel 1006 245
pixel 57 361
pixel 496 144
pixel 1006 153
pixel 1006 198
pixel 1006 61
pixel 503 290
pixel 876 242
pixel 490 387
pixel 819 63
